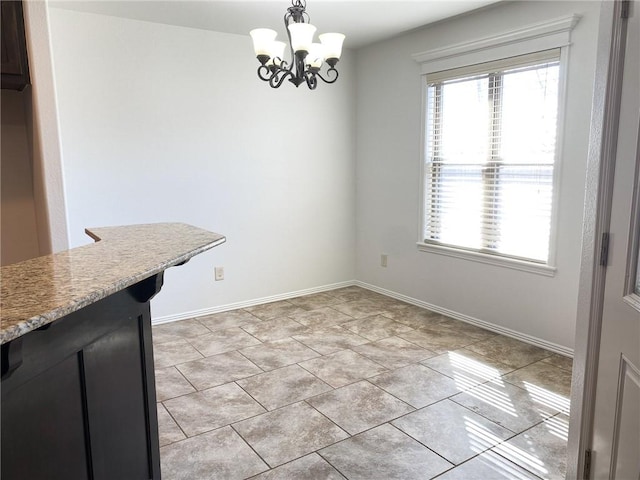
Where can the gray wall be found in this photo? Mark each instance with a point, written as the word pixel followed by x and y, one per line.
pixel 18 214
pixel 389 95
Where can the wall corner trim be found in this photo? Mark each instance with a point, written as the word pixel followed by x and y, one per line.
pixel 536 37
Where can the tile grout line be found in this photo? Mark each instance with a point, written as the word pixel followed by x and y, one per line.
pixel 453 465
pixel 176 422
pixel 252 398
pixel 269 467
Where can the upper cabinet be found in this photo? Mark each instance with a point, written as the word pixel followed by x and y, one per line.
pixel 15 65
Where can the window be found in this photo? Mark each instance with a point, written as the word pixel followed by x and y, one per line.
pixel 490 156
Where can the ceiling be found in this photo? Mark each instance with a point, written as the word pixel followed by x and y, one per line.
pixel 362 21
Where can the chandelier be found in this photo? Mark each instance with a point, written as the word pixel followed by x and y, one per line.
pixel 306 57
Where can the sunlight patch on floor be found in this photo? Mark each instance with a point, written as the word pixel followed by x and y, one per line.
pixel 493 396
pixel 519 456
pixel 502 467
pixel 547 398
pixel 559 427
pixel 480 438
pixel 467 374
pixel 472 366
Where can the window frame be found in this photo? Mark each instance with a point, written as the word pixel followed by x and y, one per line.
pixel 494 74
pixel 555 34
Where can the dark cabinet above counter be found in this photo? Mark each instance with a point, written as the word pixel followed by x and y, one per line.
pixel 15 63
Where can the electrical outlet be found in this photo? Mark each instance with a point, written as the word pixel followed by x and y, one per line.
pixel 219 271
pixel 383 260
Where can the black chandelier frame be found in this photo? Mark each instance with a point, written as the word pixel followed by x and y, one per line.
pixel 296 71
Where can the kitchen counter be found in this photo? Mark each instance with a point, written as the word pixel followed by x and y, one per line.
pixel 78 386
pixel 36 292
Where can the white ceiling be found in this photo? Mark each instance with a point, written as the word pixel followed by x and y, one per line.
pixel 362 21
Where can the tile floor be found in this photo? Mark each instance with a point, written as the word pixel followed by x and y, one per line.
pixel 353 384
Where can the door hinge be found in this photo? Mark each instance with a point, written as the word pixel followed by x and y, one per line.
pixel 624 11
pixel 604 249
pixel 587 465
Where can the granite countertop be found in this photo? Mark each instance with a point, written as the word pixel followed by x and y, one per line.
pixel 40 290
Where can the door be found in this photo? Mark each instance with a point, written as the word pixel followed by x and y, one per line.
pixel 616 427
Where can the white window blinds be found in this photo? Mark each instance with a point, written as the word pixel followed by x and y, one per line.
pixel 490 151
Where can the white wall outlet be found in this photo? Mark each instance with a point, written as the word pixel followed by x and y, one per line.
pixel 383 260
pixel 219 272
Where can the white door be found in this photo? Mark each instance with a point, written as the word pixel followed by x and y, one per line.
pixel 616 428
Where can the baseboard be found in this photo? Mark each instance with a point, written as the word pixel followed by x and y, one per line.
pixel 561 350
pixel 538 342
pixel 249 303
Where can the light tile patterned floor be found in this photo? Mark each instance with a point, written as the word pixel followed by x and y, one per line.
pixel 353 384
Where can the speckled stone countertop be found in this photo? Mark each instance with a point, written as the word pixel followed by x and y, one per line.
pixel 40 290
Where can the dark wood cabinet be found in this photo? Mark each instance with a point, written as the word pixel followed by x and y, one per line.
pixel 15 65
pixel 47 408
pixel 78 395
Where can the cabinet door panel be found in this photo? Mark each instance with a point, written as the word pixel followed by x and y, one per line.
pixel 117 404
pixel 14 63
pixel 46 411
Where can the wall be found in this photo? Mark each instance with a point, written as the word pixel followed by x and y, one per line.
pixel 19 230
pixel 42 129
pixel 388 120
pixel 168 124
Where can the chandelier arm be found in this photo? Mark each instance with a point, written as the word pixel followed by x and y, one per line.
pixel 264 73
pixel 330 71
pixel 282 65
pixel 312 81
pixel 276 80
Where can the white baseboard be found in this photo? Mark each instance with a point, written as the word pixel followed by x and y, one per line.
pixel 559 349
pixel 249 303
pixel 568 352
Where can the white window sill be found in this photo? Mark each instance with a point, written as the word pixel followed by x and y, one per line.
pixel 512 263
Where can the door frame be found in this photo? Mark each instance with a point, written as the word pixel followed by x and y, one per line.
pixel 603 137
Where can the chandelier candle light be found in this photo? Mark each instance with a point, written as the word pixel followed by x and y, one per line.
pixel 306 56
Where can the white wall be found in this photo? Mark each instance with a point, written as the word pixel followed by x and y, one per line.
pixel 42 130
pixel 167 124
pixel 388 177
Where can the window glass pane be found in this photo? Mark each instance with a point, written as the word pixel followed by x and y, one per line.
pixel 525 196
pixel 465 120
pixel 455 216
pixel 529 111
